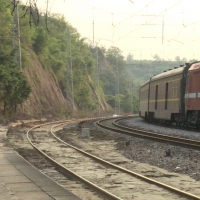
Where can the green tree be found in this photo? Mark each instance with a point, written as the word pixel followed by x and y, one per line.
pixel 117 84
pixel 129 58
pixel 40 41
pixel 14 88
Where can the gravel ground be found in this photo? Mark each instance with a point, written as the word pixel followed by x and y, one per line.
pixel 182 160
pixel 139 123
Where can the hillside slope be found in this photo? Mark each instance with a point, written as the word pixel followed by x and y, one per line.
pixel 46 96
pixel 47 99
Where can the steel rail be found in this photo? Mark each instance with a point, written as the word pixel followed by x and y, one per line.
pixel 158 136
pixel 175 190
pixel 144 178
pixel 66 171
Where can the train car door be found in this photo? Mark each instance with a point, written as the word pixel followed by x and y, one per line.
pixel 187 92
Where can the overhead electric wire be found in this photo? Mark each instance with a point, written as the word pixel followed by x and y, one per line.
pixel 114 25
pixel 152 19
pixel 135 13
pixel 99 9
pixel 177 40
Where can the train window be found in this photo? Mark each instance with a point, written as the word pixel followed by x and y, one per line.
pixel 176 91
pixel 166 95
pixel 156 97
pixel 173 89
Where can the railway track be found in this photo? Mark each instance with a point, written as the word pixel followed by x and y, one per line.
pixel 109 180
pixel 105 123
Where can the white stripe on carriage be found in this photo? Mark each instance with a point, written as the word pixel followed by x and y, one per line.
pixel 191 95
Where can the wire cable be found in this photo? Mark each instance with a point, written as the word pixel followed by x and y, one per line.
pixel 152 19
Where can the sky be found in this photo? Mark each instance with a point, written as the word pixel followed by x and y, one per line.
pixel 143 28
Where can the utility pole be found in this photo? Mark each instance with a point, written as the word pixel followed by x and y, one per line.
pixel 19 40
pixel 13 32
pixel 71 69
pixel 97 65
pixel 115 92
pixel 163 30
pixel 98 91
pixel 67 64
pixel 93 27
pixel 118 87
pixel 131 93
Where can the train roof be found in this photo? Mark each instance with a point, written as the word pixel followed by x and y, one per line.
pixel 195 66
pixel 144 83
pixel 168 73
pixel 172 72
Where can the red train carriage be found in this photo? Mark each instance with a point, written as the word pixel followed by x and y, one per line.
pixel 163 97
pixel 192 95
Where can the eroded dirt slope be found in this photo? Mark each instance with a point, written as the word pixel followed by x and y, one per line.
pixel 46 95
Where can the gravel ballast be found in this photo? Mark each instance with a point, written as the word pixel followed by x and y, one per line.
pixel 180 159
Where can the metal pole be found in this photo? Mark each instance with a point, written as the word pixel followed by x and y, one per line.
pixel 132 95
pixel 118 88
pixel 19 40
pixel 19 43
pixel 67 63
pixel 93 27
pixel 115 92
pixel 163 30
pixel 98 79
pixel 71 69
pixel 13 31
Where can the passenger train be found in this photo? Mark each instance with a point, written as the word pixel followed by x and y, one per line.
pixel 173 96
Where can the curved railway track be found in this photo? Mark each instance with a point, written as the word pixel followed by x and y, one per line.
pixel 146 134
pixel 114 182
